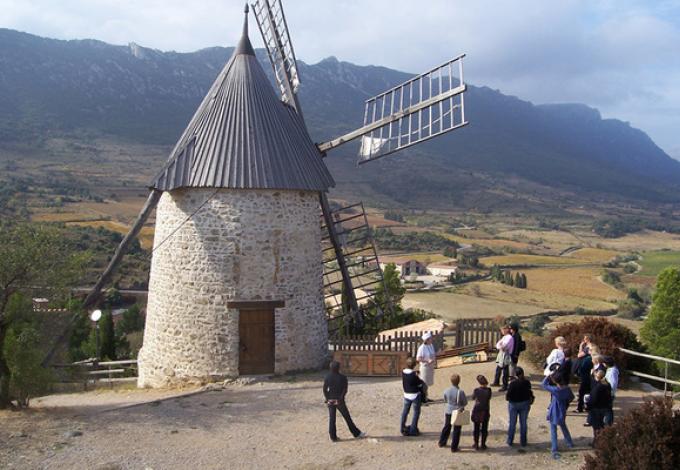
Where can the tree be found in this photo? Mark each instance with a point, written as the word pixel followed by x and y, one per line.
pixel 23 357
pixel 507 278
pixel 389 296
pixel 661 330
pixel 107 336
pixel 113 297
pixel 518 280
pixel 80 332
pixel 496 273
pixel 36 256
pixel 524 281
pixel 393 285
pixel 131 320
pixel 23 351
pixel 450 252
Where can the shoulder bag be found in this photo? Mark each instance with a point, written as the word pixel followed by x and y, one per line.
pixel 460 417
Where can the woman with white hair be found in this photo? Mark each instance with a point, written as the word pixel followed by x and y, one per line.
pixel 556 357
pixel 427 359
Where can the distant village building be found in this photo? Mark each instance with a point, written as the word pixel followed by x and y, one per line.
pixel 442 269
pixel 406 267
pixel 237 289
pixel 411 267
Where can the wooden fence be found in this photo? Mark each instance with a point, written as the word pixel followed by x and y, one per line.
pixel 460 334
pixel 474 331
pixel 400 342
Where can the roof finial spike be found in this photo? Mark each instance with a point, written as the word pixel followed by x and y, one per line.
pixel 245 20
pixel 244 46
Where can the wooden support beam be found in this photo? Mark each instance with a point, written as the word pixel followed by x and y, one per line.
pixel 149 206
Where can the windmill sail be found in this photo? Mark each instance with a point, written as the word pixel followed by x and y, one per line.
pixel 358 256
pixel 274 30
pixel 423 107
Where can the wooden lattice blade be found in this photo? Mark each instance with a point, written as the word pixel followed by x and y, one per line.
pixel 426 106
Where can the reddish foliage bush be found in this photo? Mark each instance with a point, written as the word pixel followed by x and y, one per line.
pixel 606 335
pixel 646 438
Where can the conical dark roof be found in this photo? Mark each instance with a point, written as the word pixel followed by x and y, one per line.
pixel 242 136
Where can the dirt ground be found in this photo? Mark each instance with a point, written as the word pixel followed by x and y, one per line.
pixel 272 423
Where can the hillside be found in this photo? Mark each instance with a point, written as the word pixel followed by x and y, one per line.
pixel 513 155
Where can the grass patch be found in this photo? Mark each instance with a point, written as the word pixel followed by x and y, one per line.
pixel 543 295
pixel 595 255
pixel 653 262
pixel 577 281
pixel 451 305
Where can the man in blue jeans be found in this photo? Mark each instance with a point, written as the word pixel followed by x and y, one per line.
pixel 413 395
pixel 519 397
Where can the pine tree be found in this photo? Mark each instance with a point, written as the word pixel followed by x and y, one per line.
pixel 518 280
pixel 524 281
pixel 496 273
pixel 107 336
pixel 508 278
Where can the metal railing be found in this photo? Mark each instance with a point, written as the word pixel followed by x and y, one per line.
pixel 666 381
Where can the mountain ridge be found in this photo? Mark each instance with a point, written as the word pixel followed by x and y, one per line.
pixel 69 87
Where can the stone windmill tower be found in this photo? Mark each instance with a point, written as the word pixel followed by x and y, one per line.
pixel 237 290
pixel 242 277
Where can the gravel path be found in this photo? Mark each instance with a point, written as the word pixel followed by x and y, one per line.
pixel 277 423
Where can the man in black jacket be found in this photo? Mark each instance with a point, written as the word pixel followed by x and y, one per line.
pixel 413 396
pixel 334 390
pixel 520 398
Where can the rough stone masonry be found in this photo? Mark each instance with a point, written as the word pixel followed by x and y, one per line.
pixel 254 244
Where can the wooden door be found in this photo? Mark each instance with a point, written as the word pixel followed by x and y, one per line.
pixel 256 337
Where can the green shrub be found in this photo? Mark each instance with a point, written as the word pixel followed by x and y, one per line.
pixel 23 355
pixel 661 330
pixel 630 309
pixel 646 438
pixel 612 277
pixel 536 324
pixel 629 268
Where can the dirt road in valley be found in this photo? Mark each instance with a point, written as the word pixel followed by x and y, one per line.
pixel 277 423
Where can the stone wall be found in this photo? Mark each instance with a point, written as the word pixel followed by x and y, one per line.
pixel 244 245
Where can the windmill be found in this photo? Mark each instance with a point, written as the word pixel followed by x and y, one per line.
pixel 426 106
pixel 243 156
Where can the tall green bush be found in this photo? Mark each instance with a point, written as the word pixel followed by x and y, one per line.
pixel 23 356
pixel 661 330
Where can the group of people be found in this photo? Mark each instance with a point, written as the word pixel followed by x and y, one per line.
pixel 598 383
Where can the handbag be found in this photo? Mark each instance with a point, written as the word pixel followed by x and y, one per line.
pixel 460 417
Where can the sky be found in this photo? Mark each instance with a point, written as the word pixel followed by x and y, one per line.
pixel 620 56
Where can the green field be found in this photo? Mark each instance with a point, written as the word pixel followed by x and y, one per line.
pixel 653 262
